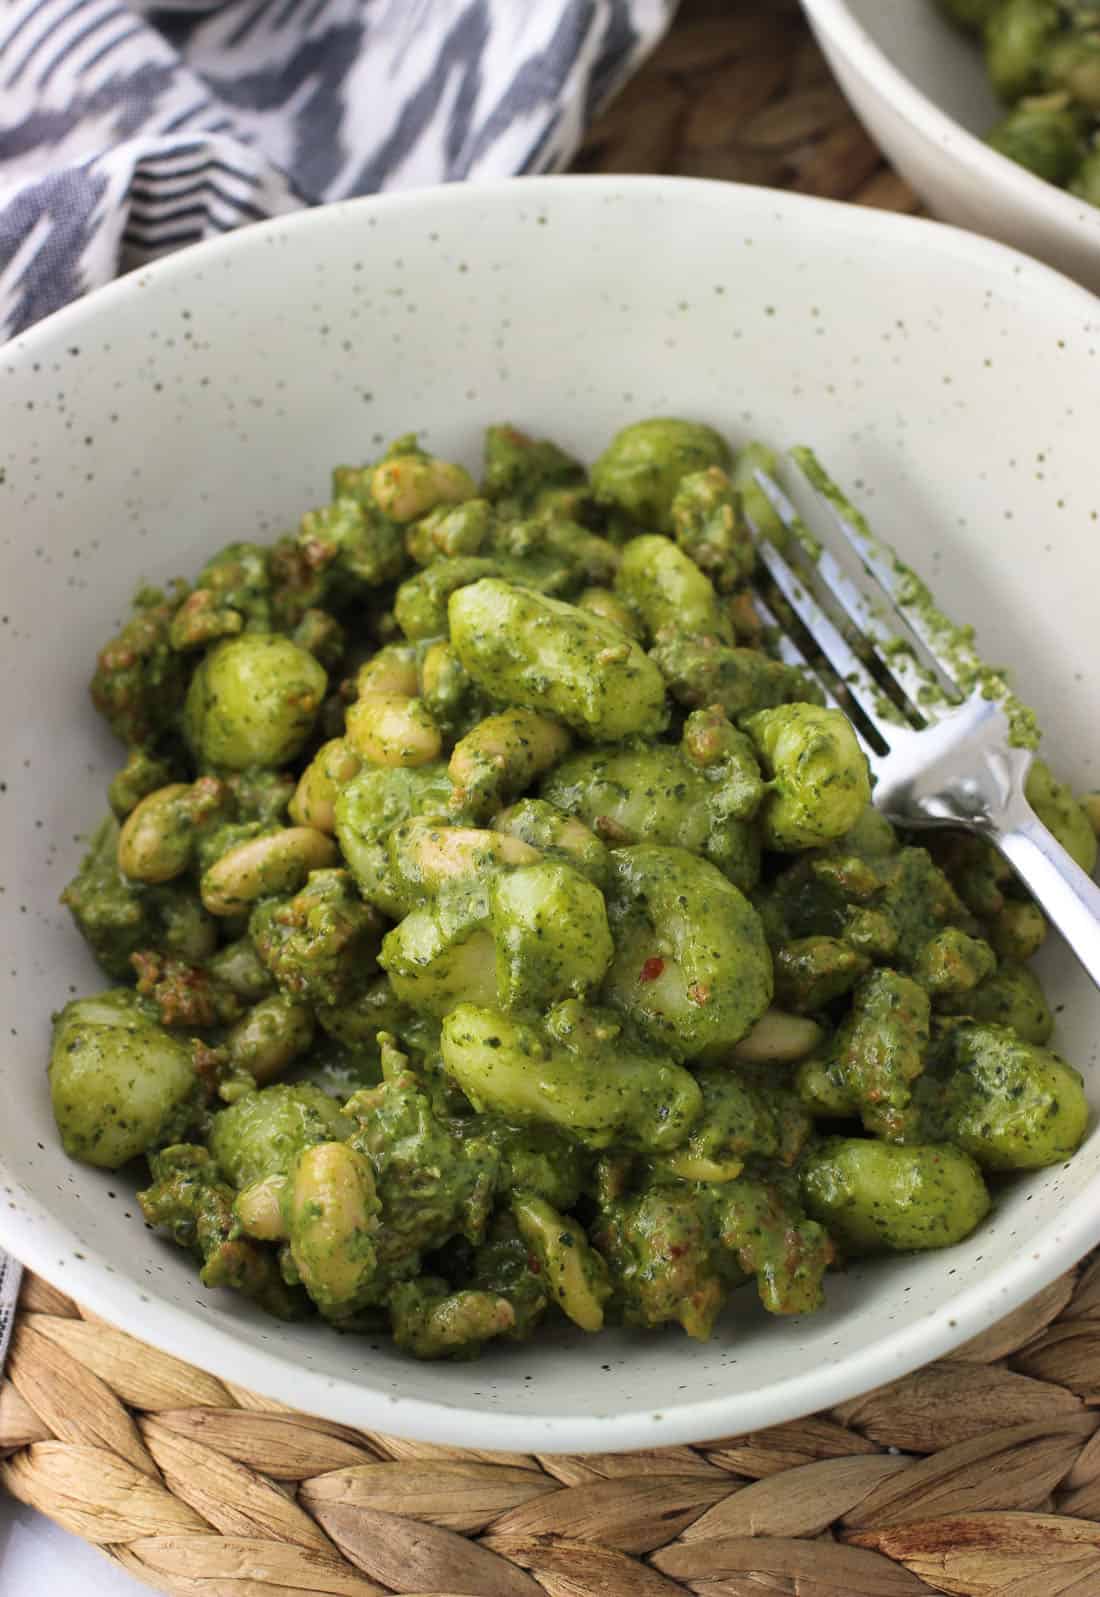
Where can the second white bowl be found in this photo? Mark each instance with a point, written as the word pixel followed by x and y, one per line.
pixel 920 87
pixel 949 383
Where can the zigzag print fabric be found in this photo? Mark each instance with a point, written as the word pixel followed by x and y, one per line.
pixel 128 129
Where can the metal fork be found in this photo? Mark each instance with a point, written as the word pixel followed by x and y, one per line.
pixel 940 730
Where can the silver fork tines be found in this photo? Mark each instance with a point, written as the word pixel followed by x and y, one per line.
pixel 897 646
pixel 845 663
pixel 943 735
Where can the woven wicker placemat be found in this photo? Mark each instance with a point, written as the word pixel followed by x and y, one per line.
pixel 979 1475
pixel 740 91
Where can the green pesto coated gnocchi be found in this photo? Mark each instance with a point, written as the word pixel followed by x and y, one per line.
pixel 1043 61
pixel 666 588
pixel 692 970
pixel 820 782
pixel 253 701
pixel 643 792
pixel 551 934
pixel 1055 805
pixel 874 1197
pixel 263 1133
pixel 530 1073
pixel 546 655
pixel 1011 1104
pixel 643 465
pixel 499 933
pixel 121 1085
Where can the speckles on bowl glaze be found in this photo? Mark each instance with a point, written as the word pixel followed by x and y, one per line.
pixel 553 326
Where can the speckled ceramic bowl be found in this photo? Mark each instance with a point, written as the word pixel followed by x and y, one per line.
pixel 920 86
pixel 949 382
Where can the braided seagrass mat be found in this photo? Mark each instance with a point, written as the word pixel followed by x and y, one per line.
pixel 979 1475
pixel 739 90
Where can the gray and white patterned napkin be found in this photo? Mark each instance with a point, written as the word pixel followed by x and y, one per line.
pixel 11 1274
pixel 129 128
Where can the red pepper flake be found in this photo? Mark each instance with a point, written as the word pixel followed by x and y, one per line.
pixel 652 969
pixel 533 1264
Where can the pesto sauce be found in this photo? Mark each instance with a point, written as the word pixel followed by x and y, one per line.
pixel 565 920
pixel 950 643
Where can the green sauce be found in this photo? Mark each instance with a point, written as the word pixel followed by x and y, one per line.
pixel 551 961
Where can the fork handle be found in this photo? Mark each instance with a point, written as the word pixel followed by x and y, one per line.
pixel 1067 893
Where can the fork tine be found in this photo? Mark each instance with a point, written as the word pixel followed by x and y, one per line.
pixel 892 648
pixel 907 595
pixel 789 652
pixel 867 695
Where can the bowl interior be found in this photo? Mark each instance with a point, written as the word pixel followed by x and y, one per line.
pixel 947 381
pixel 920 86
pixel 939 60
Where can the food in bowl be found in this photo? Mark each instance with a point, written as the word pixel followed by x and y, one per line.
pixel 923 93
pixel 498 928
pixel 1043 60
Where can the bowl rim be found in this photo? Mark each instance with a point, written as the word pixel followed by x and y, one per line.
pixel 45 1244
pixel 1058 207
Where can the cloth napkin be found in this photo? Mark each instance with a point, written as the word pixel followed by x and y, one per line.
pixel 10 1275
pixel 128 128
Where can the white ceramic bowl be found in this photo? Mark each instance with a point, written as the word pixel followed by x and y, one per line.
pixel 920 87
pixel 947 380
